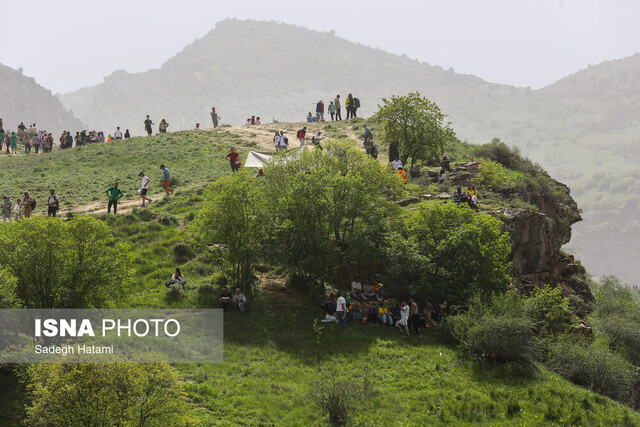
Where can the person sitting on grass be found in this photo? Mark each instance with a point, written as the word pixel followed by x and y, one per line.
pixel 395 312
pixel 442 177
pixel 329 304
pixel 445 162
pixel 355 309
pixel 458 196
pixel 225 299
pixel 383 315
pixel 240 301
pixel 177 279
pixel 472 196
pixel 377 290
pixel 372 313
pixel 366 290
pixel 356 289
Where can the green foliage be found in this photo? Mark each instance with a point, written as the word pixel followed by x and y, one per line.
pixel 228 219
pixel 490 175
pixel 417 124
pixel 70 264
pixel 549 311
pixel 334 398
pixel 142 394
pixel 594 366
pixel 8 297
pixel 174 293
pixel 449 253
pixel 498 332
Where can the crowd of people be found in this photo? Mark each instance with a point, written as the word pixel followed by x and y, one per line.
pixel 334 108
pixel 365 304
pixel 23 208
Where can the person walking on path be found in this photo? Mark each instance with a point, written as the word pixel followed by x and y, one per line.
pixel 166 179
pixel 144 188
pixel 14 143
pixel 52 203
pixel 336 102
pixel 163 126
pixel 214 117
pixel 147 126
pixel 301 135
pixel 6 209
pixel 17 210
pixel 233 159
pixel 284 142
pixel 29 204
pixel 114 194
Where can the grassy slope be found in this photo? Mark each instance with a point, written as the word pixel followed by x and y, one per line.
pixel 272 356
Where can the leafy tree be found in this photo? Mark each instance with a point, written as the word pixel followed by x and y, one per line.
pixel 548 310
pixel 490 175
pixel 58 264
pixel 228 219
pixel 417 124
pixel 449 253
pixel 144 394
pixel 8 298
pixel 326 209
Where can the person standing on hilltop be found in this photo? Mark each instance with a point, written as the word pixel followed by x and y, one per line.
pixel 28 203
pixel 53 203
pixel 301 135
pixel 2 136
pixel 114 194
pixel 320 111
pixel 6 209
pixel 163 126
pixel 166 179
pixel 118 133
pixel 214 117
pixel 348 103
pixel 147 125
pixel 14 143
pixel 144 188
pixel 336 102
pixel 127 135
pixel 332 110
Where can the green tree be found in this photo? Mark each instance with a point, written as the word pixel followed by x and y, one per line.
pixel 228 220
pixel 417 124
pixel 58 264
pixel 326 211
pixel 110 394
pixel 490 175
pixel 449 253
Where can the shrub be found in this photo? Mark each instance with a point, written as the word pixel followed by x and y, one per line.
pixel 174 293
pixel 182 252
pixel 168 220
pixel 490 175
pixel 594 366
pixel 334 399
pixel 548 310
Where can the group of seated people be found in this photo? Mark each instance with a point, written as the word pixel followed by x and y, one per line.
pixel 387 313
pixel 253 120
pixel 470 196
pixel 238 301
pixel 363 292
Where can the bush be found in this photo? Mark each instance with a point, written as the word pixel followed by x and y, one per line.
pixel 174 293
pixel 595 367
pixel 549 311
pixel 490 175
pixel 499 333
pixel 334 399
pixel 182 252
pixel 169 220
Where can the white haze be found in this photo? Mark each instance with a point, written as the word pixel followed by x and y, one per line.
pixel 70 44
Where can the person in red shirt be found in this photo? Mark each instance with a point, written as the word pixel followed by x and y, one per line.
pixel 233 158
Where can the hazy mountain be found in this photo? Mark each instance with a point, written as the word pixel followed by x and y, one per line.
pixel 24 100
pixel 585 124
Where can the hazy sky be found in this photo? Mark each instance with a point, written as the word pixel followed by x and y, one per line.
pixel 68 44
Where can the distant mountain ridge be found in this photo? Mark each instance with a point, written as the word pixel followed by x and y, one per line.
pixel 581 125
pixel 24 100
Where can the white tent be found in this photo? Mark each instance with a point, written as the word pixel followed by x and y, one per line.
pixel 258 160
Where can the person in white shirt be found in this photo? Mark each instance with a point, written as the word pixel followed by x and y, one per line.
pixel 276 141
pixel 144 188
pixel 397 163
pixel 284 142
pixel 404 318
pixel 118 133
pixel 356 289
pixel 240 301
pixel 341 310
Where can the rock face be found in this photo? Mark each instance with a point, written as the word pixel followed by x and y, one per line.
pixel 537 237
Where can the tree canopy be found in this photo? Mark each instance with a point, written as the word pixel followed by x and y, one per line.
pixel 417 124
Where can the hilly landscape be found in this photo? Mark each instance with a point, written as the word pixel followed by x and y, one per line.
pixel 279 360
pixel 24 100
pixel 585 128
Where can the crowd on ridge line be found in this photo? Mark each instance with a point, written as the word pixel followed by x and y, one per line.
pixel 334 108
pixel 358 308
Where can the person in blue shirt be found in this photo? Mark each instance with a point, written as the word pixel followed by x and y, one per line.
pixel 166 179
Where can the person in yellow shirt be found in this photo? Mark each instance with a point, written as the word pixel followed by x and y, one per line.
pixel 384 316
pixel 472 193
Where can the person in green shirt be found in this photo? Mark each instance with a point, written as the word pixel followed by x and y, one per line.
pixel 14 143
pixel 147 125
pixel 1 138
pixel 114 194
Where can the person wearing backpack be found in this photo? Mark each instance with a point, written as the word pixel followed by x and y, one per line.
pixel 320 111
pixel 29 204
pixel 301 134
pixel 336 102
pixel 284 141
pixel 348 103
pixel 356 105
pixel 53 203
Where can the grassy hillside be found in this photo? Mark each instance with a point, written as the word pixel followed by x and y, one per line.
pixel 24 100
pixel 275 358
